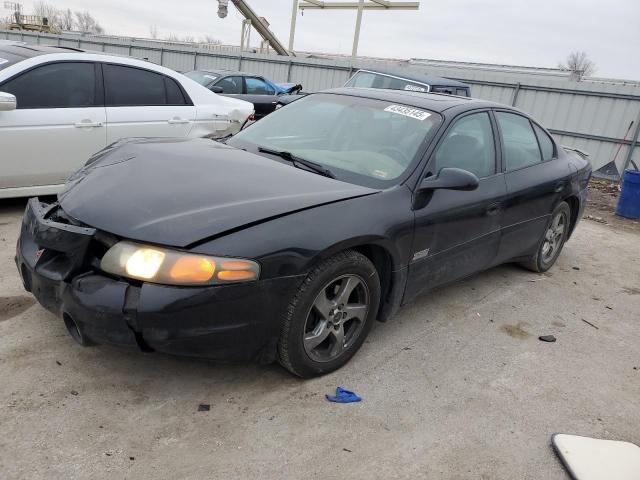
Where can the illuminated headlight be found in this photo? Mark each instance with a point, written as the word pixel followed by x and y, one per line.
pixel 173 267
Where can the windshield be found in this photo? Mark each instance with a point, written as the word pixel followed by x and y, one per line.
pixel 360 140
pixel 203 78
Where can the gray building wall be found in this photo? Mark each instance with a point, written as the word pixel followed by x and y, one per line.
pixel 601 118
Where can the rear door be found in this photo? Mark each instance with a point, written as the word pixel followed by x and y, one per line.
pixel 142 103
pixel 536 181
pixel 458 232
pixel 58 124
pixel 261 94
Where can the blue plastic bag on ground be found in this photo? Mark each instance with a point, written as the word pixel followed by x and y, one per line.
pixel 343 396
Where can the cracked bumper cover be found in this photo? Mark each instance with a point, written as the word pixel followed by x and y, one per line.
pixel 238 322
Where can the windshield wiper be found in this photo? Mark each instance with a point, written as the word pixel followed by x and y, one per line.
pixel 299 162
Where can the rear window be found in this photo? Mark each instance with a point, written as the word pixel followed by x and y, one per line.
pixel 374 80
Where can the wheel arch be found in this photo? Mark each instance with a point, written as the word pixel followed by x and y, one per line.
pixel 574 206
pixel 386 259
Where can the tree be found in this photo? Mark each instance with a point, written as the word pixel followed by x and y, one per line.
pixel 66 19
pixel 48 11
pixel 153 31
pixel 87 24
pixel 209 40
pixel 579 64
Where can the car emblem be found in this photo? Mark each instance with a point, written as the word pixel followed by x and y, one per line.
pixel 39 254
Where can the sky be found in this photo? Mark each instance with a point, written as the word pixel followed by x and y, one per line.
pixel 517 32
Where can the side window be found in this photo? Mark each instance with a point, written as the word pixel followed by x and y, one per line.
pixel 56 85
pixel 469 145
pixel 546 144
pixel 461 92
pixel 129 86
pixel 519 141
pixel 174 94
pixel 231 85
pixel 257 86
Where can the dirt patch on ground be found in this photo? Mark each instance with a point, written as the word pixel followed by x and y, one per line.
pixel 13 306
pixel 601 205
pixel 516 331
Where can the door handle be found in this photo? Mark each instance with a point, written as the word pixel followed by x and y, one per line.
pixel 177 121
pixel 493 208
pixel 88 124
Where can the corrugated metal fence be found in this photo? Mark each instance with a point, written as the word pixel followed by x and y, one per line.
pixel 602 119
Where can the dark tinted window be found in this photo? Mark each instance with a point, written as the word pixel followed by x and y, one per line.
pixel 447 90
pixel 546 144
pixel 520 143
pixel 128 86
pixel 231 85
pixel 8 58
pixel 56 85
pixel 257 86
pixel 469 145
pixel 461 92
pixel 174 94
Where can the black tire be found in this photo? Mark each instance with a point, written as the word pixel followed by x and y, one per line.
pixel 543 260
pixel 334 274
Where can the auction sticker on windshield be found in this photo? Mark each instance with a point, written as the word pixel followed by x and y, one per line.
pixel 408 112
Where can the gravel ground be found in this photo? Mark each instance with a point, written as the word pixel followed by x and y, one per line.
pixel 457 386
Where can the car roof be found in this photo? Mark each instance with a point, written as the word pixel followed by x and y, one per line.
pixel 28 51
pixel 436 102
pixel 418 76
pixel 222 72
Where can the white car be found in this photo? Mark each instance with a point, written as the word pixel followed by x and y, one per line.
pixel 58 106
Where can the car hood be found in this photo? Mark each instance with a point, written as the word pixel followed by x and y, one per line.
pixel 177 192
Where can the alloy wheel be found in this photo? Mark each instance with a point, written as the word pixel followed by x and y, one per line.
pixel 336 318
pixel 554 237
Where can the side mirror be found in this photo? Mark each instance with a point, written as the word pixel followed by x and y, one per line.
pixel 216 89
pixel 7 102
pixel 451 179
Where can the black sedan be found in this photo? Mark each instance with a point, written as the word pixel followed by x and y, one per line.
pixel 262 92
pixel 289 241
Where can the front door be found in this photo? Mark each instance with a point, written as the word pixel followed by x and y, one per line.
pixel 262 95
pixel 457 233
pixel 142 103
pixel 58 124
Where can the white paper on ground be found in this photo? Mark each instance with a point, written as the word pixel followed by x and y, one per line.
pixel 595 459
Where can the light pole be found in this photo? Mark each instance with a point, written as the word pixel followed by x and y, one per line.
pixel 292 33
pixel 360 6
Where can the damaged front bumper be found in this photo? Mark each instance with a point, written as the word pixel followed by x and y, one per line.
pixel 58 262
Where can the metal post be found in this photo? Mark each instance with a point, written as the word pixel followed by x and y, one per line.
pixel 161 56
pixel 292 32
pixel 632 146
pixel 240 62
pixel 514 99
pixel 195 60
pixel 289 71
pixel 356 35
